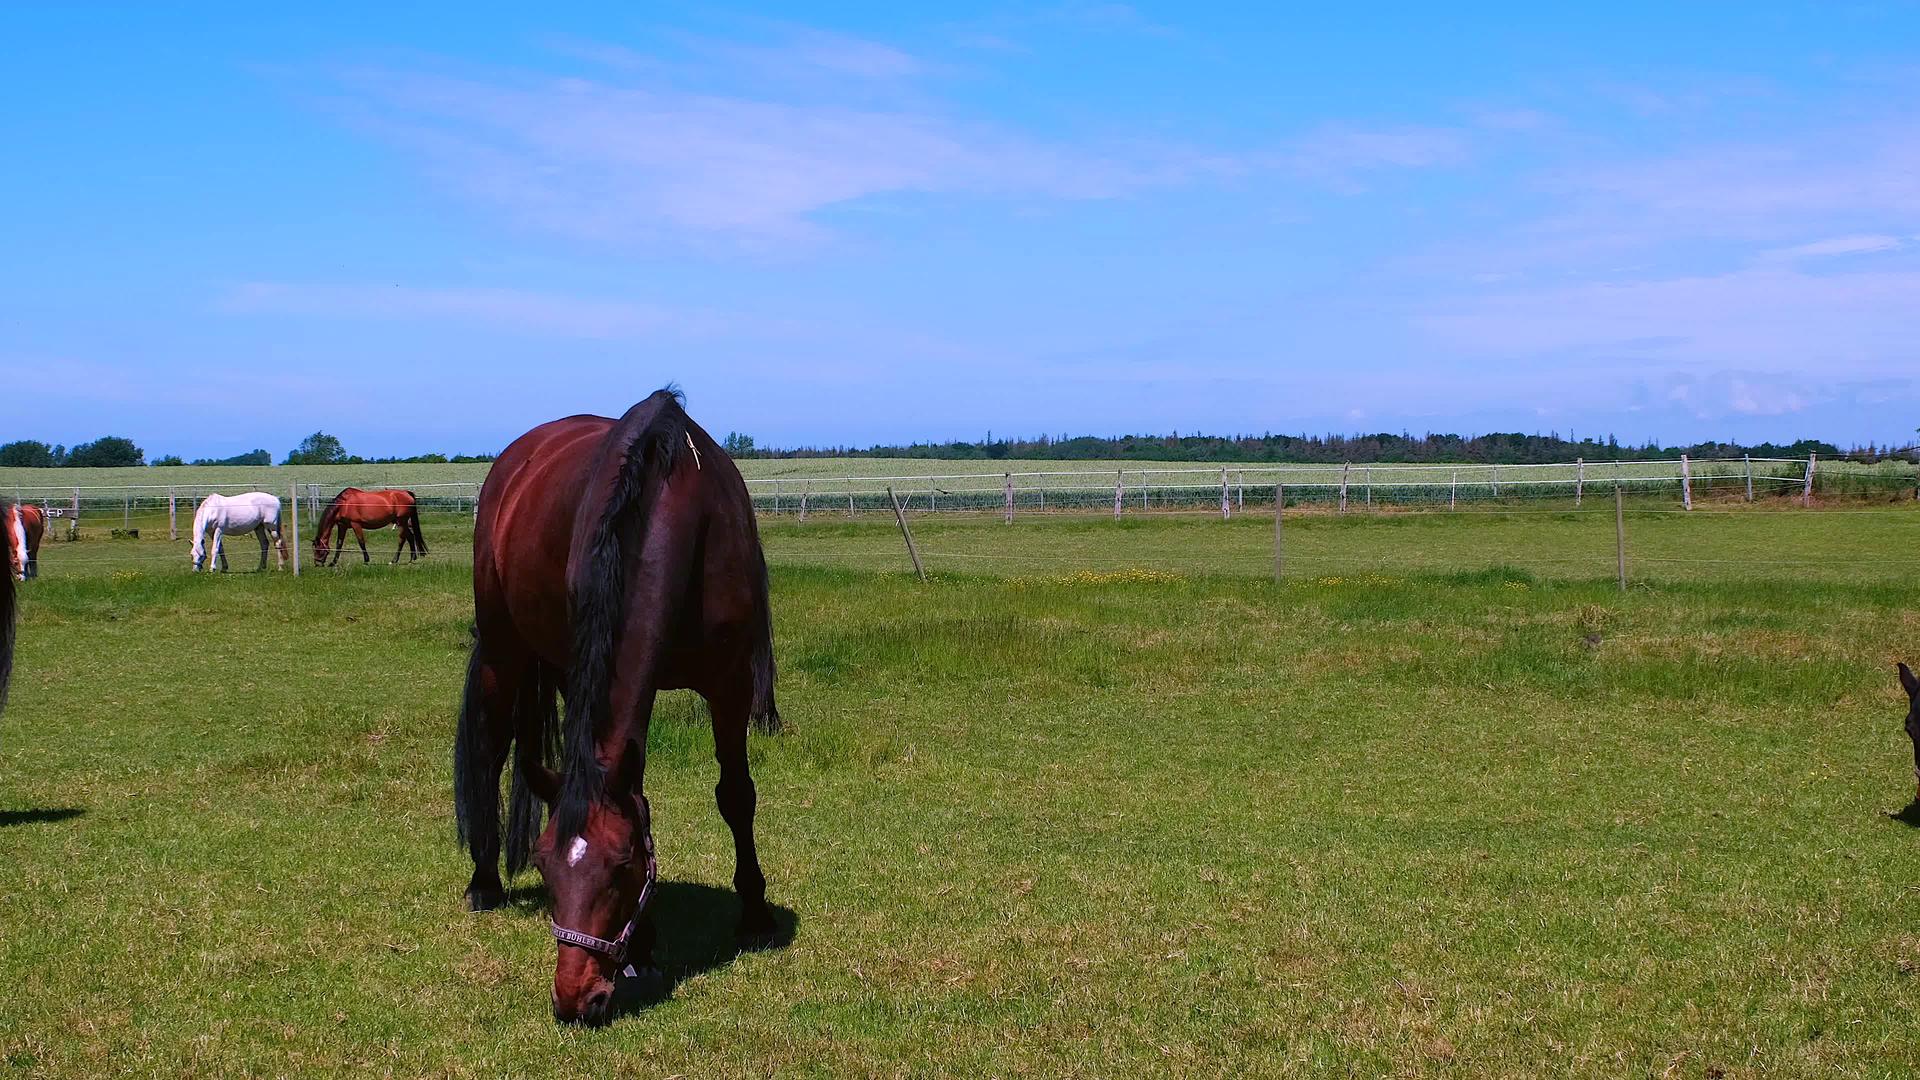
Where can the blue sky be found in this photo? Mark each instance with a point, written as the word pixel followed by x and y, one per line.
pixel 434 226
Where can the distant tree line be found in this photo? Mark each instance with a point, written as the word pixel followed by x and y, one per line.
pixel 113 451
pixel 1495 448
pixel 108 451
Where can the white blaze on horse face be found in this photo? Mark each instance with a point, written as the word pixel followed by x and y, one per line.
pixel 577 852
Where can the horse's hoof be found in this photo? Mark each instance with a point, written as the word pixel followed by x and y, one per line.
pixel 486 899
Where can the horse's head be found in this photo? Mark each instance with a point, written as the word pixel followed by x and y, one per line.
pixel 1911 683
pixel 599 879
pixel 320 547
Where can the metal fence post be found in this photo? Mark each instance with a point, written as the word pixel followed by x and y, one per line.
pixel 1226 509
pixel 1119 491
pixel 294 506
pixel 1579 480
pixel 1748 458
pixel 173 517
pixel 1686 483
pixel 73 517
pixel 1344 468
pixel 1453 491
pixel 1009 498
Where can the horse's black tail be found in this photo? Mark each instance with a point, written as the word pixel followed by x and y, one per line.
pixel 634 460
pixel 6 627
pixel 476 787
pixel 523 806
pixel 413 520
pixel 765 715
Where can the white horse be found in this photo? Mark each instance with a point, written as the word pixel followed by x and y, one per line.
pixel 256 512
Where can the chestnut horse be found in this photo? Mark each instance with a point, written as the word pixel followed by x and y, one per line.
pixel 362 510
pixel 6 616
pixel 614 559
pixel 25 525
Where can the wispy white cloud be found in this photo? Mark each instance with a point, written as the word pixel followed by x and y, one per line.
pixel 642 158
pixel 1775 319
pixel 1865 244
pixel 534 312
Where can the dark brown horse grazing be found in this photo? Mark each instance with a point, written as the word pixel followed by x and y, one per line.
pixel 614 558
pixel 361 510
pixel 1911 683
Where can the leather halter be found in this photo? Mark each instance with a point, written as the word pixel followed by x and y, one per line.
pixel 615 949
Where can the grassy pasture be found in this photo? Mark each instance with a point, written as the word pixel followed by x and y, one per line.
pixel 1098 799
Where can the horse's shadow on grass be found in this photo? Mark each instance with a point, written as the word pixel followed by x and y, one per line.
pixel 693 934
pixel 1909 817
pixel 10 818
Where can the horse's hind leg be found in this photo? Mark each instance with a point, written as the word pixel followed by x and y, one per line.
pixel 360 534
pixel 736 798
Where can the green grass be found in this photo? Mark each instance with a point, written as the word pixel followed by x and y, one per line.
pixel 1121 807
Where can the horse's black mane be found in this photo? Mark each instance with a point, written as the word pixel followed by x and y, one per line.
pixel 645 443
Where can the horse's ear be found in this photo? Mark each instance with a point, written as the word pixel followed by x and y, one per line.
pixel 543 782
pixel 1910 681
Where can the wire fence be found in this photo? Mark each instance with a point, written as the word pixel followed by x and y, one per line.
pixel 1232 488
pixel 1557 520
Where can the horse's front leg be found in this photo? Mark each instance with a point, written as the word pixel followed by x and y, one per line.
pixel 339 543
pixel 219 551
pixel 260 532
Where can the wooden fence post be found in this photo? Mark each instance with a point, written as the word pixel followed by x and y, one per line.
pixel 1226 509
pixel 173 517
pixel 1453 491
pixel 1579 480
pixel 1009 498
pixel 1620 535
pixel 1240 490
pixel 1119 491
pixel 73 517
pixel 1279 508
pixel 294 506
pixel 901 516
pixel 805 490
pixel 1686 483
pixel 1369 486
pixel 1806 497
pixel 1748 458
pixel 1493 472
pixel 1344 467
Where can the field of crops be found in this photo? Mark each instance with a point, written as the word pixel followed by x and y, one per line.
pixel 278 478
pixel 1098 798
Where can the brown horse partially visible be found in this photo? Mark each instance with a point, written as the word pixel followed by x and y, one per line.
pixel 616 558
pixel 361 510
pixel 6 616
pixel 25 526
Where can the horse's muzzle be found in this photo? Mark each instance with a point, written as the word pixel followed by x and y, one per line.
pixel 592 1009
